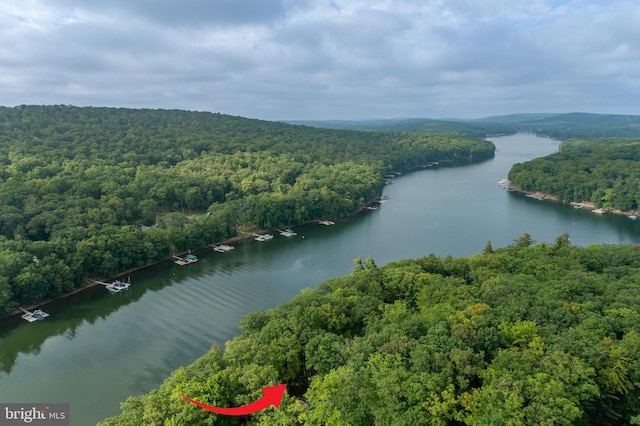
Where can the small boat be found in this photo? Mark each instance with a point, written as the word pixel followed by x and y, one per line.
pixel 222 248
pixel 577 206
pixel 263 237
pixel 633 216
pixel 598 211
pixel 118 286
pixel 326 222
pixel 37 315
pixel 503 182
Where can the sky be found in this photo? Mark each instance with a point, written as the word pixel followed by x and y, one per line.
pixel 324 59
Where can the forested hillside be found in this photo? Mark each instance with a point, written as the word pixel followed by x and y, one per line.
pixel 78 184
pixel 602 171
pixel 529 334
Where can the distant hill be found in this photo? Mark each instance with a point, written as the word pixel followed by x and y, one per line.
pixel 471 129
pixel 560 126
pixel 516 118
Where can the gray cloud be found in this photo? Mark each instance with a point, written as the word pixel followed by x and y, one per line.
pixel 286 59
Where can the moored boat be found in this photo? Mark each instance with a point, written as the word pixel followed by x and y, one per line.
pixel 118 286
pixel 222 248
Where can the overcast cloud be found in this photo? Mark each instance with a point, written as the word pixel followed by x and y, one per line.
pixel 324 59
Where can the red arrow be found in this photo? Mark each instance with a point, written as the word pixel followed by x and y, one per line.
pixel 272 396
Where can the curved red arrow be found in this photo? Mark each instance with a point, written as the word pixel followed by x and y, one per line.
pixel 272 396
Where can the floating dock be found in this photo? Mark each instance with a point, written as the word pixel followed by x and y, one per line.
pixel 326 222
pixel 190 258
pixel 37 315
pixel 287 233
pixel 116 286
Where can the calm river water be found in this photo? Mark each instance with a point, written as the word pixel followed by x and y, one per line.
pixel 97 349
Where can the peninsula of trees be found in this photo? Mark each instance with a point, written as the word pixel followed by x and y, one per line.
pixel 96 191
pixel 604 172
pixel 529 334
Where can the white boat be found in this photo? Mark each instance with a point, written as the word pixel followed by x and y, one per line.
pixel 118 286
pixel 577 206
pixel 264 237
pixel 598 211
pixel 503 182
pixel 633 216
pixel 37 315
pixel 326 222
pixel 223 248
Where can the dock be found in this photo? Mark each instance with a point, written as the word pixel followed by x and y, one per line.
pixel 222 248
pixel 263 237
pixel 115 287
pixel 37 315
pixel 190 258
pixel 287 233
pixel 326 222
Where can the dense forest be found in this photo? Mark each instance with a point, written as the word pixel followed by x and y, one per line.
pixel 602 171
pixel 96 191
pixel 545 334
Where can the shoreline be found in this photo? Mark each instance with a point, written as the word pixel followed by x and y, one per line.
pixel 236 239
pixel 585 204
